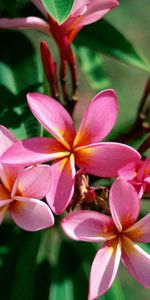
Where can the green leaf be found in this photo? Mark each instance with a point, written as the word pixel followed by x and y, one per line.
pixel 19 74
pixel 67 274
pixel 24 275
pixel 93 66
pixel 105 38
pixel 58 9
pixel 18 252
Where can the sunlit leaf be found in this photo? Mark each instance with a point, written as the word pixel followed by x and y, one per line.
pixel 93 66
pixel 105 38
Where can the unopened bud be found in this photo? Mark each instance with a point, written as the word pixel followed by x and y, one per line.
pixel 47 60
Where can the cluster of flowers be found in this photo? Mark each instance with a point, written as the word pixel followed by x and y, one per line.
pixel 25 181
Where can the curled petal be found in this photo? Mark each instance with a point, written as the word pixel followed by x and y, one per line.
pixel 6 139
pixel 104 159
pixel 92 128
pixel 35 182
pixel 88 226
pixel 78 7
pixel 96 10
pixel 143 171
pixel 33 150
pixel 53 116
pixel 62 186
pixel 31 214
pixel 140 231
pixel 128 172
pixel 23 23
pixel 124 203
pixel 137 262
pixel 104 269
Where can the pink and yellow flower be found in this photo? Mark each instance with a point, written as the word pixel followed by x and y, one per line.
pixel 120 234
pixel 21 189
pixel 83 12
pixel 138 174
pixel 70 148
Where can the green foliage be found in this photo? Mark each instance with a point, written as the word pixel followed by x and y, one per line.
pixel 105 38
pixel 9 10
pixel 58 9
pixel 92 65
pixel 19 74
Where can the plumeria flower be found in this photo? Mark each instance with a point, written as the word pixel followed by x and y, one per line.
pixel 21 189
pixel 82 13
pixel 70 148
pixel 120 235
pixel 138 174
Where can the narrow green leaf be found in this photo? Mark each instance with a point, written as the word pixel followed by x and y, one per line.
pixel 58 9
pixel 93 66
pixel 105 38
pixel 23 279
pixel 67 275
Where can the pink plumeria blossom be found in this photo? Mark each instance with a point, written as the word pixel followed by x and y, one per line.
pixel 119 233
pixel 21 189
pixel 70 148
pixel 82 13
pixel 138 174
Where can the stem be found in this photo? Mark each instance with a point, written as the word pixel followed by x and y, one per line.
pixel 41 130
pixel 145 145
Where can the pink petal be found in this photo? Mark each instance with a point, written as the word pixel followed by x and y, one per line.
pixel 140 231
pixel 104 159
pixel 8 175
pixel 95 11
pixel 144 170
pixel 62 186
pixel 31 214
pixel 4 193
pixel 4 196
pixel 88 226
pixel 147 180
pixel 33 150
pixel 128 172
pixel 137 262
pixel 78 7
pixel 94 128
pixel 25 23
pixel 53 116
pixel 124 203
pixel 6 139
pixel 40 6
pixel 104 269
pixel 35 182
